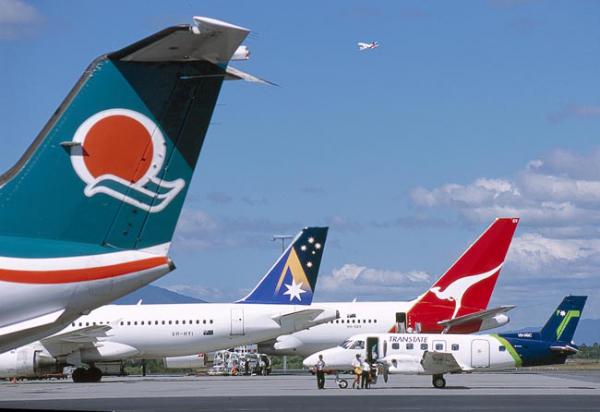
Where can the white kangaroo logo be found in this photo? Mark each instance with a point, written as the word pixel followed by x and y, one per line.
pixel 456 290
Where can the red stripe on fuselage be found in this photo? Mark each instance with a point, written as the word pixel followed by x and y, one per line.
pixel 80 275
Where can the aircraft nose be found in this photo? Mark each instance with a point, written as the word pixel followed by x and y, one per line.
pixel 310 361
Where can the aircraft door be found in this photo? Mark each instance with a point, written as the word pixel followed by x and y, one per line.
pixel 480 353
pixel 373 348
pixel 439 346
pixel 237 321
pixel 400 322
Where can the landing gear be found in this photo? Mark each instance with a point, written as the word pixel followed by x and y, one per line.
pixel 438 381
pixel 92 374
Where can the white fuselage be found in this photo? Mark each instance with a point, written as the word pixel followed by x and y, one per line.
pixel 402 353
pixel 158 331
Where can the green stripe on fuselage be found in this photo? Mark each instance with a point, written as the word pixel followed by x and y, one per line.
pixel 516 357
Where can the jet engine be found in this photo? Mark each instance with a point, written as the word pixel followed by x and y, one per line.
pixel 27 362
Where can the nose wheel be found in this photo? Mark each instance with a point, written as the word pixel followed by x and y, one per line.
pixel 438 381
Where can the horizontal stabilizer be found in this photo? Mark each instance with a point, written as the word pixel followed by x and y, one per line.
pixel 303 319
pixel 437 363
pixel 564 349
pixel 477 316
pixel 236 74
pixel 209 39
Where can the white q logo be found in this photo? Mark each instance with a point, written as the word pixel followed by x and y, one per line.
pixel 120 152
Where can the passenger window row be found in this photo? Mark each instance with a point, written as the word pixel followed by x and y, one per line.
pixel 425 346
pixel 354 321
pixel 149 323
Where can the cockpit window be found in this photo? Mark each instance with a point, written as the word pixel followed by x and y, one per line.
pixel 346 344
pixel 353 344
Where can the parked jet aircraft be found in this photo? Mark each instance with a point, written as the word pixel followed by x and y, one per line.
pixel 88 213
pixel 456 303
pixel 367 46
pixel 277 305
pixel 436 355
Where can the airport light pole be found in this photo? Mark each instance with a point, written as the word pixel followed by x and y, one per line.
pixel 282 238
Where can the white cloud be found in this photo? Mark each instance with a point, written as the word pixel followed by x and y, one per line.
pixel 352 280
pixel 536 253
pixel 17 18
pixel 575 110
pixel 557 198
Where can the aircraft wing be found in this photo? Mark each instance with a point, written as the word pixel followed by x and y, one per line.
pixel 473 317
pixel 66 343
pixel 435 363
pixel 89 334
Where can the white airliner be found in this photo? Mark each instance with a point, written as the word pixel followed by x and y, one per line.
pixel 88 212
pixel 367 46
pixel 277 305
pixel 436 355
pixel 456 303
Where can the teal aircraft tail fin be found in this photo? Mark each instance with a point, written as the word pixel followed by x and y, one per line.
pixel 563 322
pixel 113 165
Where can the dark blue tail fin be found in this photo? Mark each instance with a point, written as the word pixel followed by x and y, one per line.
pixel 563 322
pixel 293 278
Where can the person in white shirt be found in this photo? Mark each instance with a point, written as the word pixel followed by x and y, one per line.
pixel 320 369
pixel 357 370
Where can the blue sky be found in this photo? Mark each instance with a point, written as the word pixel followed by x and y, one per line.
pixel 468 110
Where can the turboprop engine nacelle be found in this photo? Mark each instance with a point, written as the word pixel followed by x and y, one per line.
pixel 495 321
pixel 27 363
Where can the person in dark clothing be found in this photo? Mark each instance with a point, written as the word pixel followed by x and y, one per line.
pixel 320 369
pixel 366 374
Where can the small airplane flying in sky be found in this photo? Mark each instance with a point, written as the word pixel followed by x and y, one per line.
pixel 367 46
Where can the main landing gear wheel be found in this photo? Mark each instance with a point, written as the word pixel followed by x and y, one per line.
pixel 438 381
pixel 81 375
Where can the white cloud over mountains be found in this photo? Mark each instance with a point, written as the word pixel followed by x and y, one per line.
pixel 557 198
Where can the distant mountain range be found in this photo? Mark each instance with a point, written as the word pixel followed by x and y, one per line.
pixel 155 295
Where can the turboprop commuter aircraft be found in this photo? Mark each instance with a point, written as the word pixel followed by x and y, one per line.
pixel 277 305
pixel 436 355
pixel 88 213
pixel 456 303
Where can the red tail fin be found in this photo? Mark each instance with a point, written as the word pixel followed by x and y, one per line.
pixel 468 285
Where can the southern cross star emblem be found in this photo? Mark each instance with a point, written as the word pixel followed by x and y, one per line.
pixel 294 290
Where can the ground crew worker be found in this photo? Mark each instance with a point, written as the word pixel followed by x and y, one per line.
pixel 366 374
pixel 357 370
pixel 320 369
